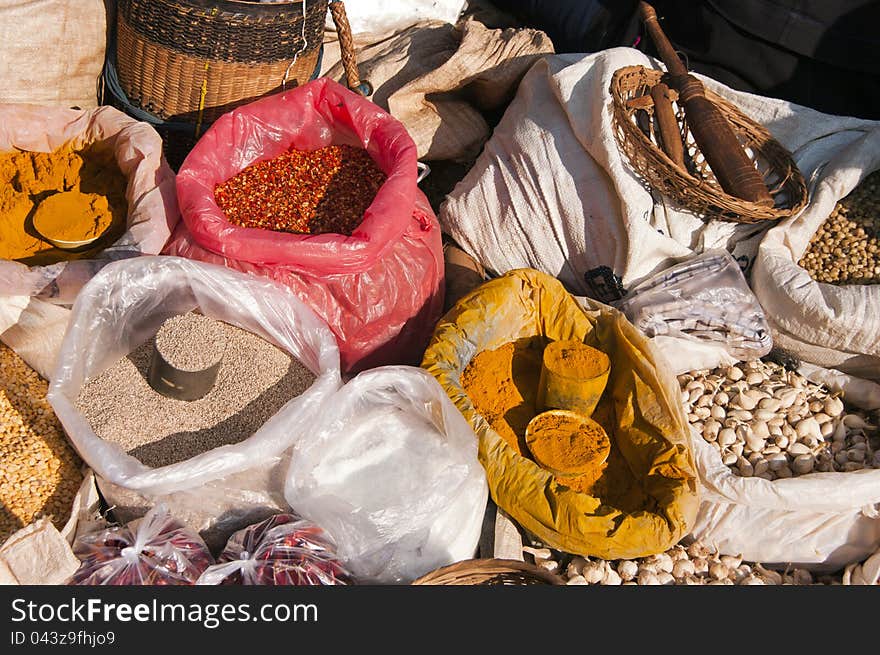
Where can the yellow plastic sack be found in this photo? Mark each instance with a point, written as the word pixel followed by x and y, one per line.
pixel 650 427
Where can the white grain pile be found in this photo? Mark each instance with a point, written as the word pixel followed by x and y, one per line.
pixel 255 380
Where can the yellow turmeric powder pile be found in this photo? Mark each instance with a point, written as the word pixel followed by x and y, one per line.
pixel 503 383
pixel 68 194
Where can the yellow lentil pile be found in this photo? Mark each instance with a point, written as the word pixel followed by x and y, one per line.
pixel 39 471
pixel 846 247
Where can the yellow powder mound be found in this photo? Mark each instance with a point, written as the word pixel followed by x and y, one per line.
pixel 30 179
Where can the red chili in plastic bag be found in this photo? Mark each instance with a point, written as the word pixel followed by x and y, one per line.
pixel 281 550
pixel 155 550
pixel 311 192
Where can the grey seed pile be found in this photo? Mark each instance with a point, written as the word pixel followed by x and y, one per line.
pixel 846 247
pixel 191 341
pixel 255 380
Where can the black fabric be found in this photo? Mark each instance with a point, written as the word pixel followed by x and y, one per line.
pixel 817 53
pixel 575 25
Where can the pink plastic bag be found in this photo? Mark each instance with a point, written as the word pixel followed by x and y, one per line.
pixel 381 289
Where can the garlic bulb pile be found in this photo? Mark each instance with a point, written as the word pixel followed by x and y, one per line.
pixel 769 422
pixel 694 564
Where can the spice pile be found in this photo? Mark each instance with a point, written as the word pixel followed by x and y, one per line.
pixel 503 385
pixel 72 195
pixel 254 381
pixel 770 422
pixel 568 444
pixel 693 564
pixel 191 342
pixel 41 473
pixel 307 192
pixel 846 247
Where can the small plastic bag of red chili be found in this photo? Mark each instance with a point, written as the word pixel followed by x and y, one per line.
pixel 379 288
pixel 154 550
pixel 281 550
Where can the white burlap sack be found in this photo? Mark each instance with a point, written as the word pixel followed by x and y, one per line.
pixel 439 79
pixel 819 521
pixel 552 190
pixel 387 16
pixel 52 51
pixel 39 553
pixel 825 324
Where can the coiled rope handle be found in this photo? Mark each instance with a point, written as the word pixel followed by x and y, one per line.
pixel 346 43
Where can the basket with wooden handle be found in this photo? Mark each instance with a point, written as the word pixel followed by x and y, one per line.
pixel 490 571
pixel 693 185
pixel 181 64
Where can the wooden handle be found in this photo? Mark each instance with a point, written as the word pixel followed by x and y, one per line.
pixel 664 48
pixel 712 132
pixel 346 46
pixel 670 136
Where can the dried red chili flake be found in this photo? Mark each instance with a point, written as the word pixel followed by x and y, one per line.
pixel 305 192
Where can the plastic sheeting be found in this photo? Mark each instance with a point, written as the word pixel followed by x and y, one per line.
pixel 220 490
pixel 390 471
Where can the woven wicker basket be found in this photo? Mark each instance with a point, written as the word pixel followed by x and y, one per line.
pixel 181 64
pixel 194 60
pixel 490 572
pixel 697 189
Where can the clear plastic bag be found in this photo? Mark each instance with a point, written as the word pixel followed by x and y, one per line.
pixel 223 489
pixel 155 550
pixel 390 471
pixel 704 299
pixel 281 550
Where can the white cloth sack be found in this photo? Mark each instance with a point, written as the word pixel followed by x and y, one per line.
pixel 390 471
pixel 35 300
pixel 52 51
pixel 818 521
pixel 552 190
pixel 39 553
pixel 828 325
pixel 439 80
pixel 864 573
pixel 224 489
pixel 380 17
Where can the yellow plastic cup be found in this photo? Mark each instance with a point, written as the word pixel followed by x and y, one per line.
pixel 573 377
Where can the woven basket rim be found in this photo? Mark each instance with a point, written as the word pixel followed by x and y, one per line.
pixel 465 571
pixel 238 6
pixel 704 196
